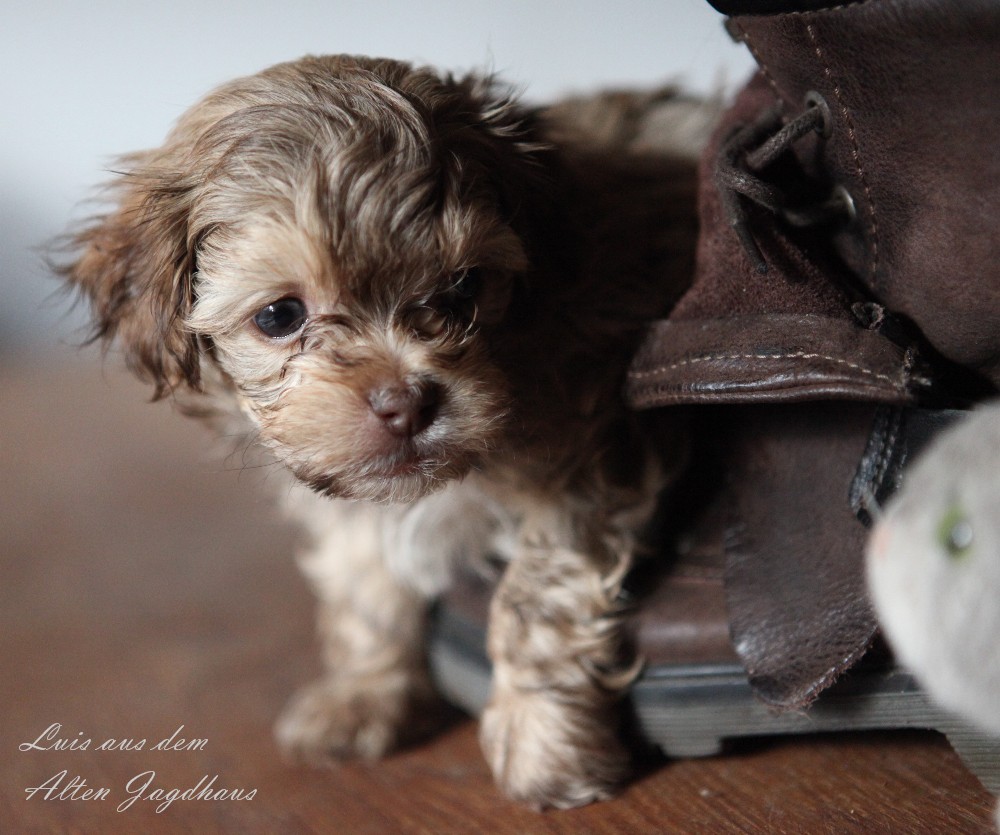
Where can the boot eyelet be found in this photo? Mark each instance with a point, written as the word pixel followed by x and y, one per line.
pixel 814 99
pixel 843 196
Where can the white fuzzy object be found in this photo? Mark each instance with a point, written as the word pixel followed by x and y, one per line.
pixel 934 569
pixel 933 565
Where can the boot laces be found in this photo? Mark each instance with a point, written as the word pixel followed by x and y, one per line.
pixel 749 150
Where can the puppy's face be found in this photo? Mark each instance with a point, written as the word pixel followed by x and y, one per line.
pixel 336 237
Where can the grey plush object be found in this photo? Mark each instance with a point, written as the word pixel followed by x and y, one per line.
pixel 933 567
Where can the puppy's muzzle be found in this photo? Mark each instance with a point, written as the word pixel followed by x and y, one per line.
pixel 405 409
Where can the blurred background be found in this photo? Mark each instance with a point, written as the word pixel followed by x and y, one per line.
pixel 83 82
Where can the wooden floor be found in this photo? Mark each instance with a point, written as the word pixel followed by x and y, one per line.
pixel 148 586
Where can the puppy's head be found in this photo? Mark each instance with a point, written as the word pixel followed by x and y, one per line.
pixel 333 241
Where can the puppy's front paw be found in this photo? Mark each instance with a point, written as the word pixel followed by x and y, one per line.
pixel 333 719
pixel 546 753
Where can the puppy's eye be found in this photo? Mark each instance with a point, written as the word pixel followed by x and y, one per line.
pixel 459 297
pixel 281 318
pixel 466 284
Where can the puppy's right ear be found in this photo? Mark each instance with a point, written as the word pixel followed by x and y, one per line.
pixel 135 265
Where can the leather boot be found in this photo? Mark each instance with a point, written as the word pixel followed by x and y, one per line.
pixel 857 174
pixel 848 274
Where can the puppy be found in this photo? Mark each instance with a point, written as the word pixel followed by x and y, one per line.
pixel 420 298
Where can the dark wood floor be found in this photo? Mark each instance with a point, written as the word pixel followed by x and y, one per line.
pixel 148 584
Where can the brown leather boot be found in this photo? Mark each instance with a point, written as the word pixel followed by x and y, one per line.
pixel 847 257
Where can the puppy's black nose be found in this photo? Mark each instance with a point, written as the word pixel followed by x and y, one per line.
pixel 406 410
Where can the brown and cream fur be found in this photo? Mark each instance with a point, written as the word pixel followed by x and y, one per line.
pixel 483 268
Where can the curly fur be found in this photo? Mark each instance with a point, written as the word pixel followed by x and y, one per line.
pixel 368 190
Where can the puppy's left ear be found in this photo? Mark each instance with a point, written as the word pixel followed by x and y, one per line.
pixel 135 265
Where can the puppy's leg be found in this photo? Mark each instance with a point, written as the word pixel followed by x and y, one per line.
pixel 376 692
pixel 550 732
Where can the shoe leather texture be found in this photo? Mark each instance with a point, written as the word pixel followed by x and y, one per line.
pixel 814 345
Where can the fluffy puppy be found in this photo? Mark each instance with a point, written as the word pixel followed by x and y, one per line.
pixel 420 297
